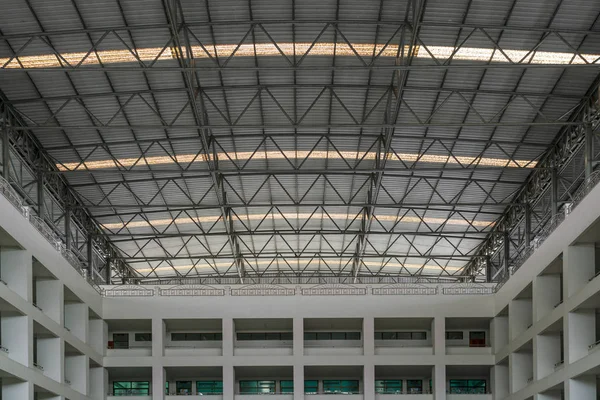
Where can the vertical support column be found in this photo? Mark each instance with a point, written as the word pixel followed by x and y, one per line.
pixel 527 224
pixel 90 256
pixel 369 336
pixel 439 381
pixel 40 194
pixel 5 147
pixel 488 269
pixel 439 337
pixel 228 337
pixel 298 381
pixel 583 387
pixel 589 150
pixel 554 193
pixel 369 381
pixel 506 252
pixel 158 337
pixel 298 336
pixel 68 228
pixel 229 382
pixel 158 381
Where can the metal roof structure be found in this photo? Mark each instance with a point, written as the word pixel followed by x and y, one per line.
pixel 392 138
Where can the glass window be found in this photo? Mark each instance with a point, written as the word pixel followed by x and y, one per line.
pixel 477 339
pixel 252 387
pixel 323 335
pixel 338 335
pixel 286 386
pixel 183 387
pixel 340 386
pixel 311 387
pixel 414 386
pixel 388 335
pixel 352 335
pixel 468 386
pixel 379 335
pixel 258 336
pixel 209 387
pixel 419 335
pixel 167 387
pixel 287 336
pixel 121 340
pixel 403 335
pixel 244 336
pixel 129 388
pixel 196 336
pixel 454 335
pixel 388 386
pixel 310 335
pixel 272 336
pixel 143 337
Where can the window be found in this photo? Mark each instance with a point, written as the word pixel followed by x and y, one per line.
pixel 401 335
pixel 332 336
pixel 167 387
pixel 340 386
pixel 121 340
pixel 264 336
pixel 286 386
pixel 468 386
pixel 209 387
pixel 254 387
pixel 143 337
pixel 388 386
pixel 414 386
pixel 128 388
pixel 454 335
pixel 183 387
pixel 311 387
pixel 477 339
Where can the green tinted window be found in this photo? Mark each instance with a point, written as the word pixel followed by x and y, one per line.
pixel 311 386
pixel 129 388
pixel 340 386
pixel 414 386
pixel 388 386
pixel 209 387
pixel 252 387
pixel 286 386
pixel 468 386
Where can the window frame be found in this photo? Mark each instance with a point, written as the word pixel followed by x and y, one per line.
pixel 388 386
pixel 455 333
pixel 468 386
pixel 341 389
pixel 131 390
pixel 216 388
pixel 271 385
pixel 139 336
pixel 316 386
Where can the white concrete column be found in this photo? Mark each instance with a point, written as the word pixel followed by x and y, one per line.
pixel 50 298
pixel 578 266
pixel 298 381
pixel 17 271
pixel 368 336
pixel 77 319
pixel 439 381
pixel 580 332
pixel 159 332
pixel 369 381
pixel 499 381
pixel 98 383
pixel 16 336
pixel 228 337
pixel 158 382
pixel 546 295
pixel 229 382
pixel 298 338
pixel 13 389
pixel 438 331
pixel 98 335
pixel 582 388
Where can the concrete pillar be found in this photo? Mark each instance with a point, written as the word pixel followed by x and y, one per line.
pixel 581 388
pixel 159 332
pixel 439 382
pixel 369 381
pixel 158 382
pixel 14 389
pixel 298 381
pixel 229 382
pixel 499 384
pixel 228 337
pixel 76 320
pixel 546 295
pixel 98 383
pixel 298 337
pixel 438 331
pixel 578 266
pixel 50 298
pixel 17 271
pixel 369 336
pixel 580 332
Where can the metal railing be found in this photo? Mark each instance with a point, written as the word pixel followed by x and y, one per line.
pixel 3 349
pixel 38 366
pixel 593 345
pixel 559 364
pixel 469 290
pixel 530 380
